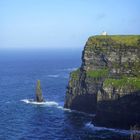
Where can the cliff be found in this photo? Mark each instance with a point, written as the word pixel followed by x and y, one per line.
pixel 108 81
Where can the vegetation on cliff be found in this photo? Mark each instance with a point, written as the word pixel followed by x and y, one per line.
pixel 124 40
pixel 97 73
pixel 108 80
pixel 132 83
pixel 75 74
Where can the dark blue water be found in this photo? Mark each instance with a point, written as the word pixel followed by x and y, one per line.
pixel 21 120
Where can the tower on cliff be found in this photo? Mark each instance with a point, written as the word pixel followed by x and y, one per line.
pixel 104 33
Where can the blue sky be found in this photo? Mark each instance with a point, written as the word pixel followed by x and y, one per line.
pixel 64 23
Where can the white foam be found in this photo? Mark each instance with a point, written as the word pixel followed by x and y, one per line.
pixel 26 101
pixel 48 103
pixel 55 104
pixel 70 69
pixel 64 109
pixel 121 131
pixel 53 76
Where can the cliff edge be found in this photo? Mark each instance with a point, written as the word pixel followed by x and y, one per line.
pixel 108 81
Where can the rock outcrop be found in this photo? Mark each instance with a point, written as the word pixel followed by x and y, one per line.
pixel 39 97
pixel 108 81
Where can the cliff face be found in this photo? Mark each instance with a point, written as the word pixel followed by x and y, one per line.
pixel 109 73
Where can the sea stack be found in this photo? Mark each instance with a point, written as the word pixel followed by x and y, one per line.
pixel 39 97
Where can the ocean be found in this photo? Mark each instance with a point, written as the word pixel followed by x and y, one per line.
pixel 22 120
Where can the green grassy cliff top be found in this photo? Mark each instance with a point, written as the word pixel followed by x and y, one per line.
pixel 127 40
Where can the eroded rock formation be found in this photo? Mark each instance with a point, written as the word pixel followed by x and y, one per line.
pixel 39 97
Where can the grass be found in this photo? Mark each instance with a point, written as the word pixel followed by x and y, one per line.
pixel 98 73
pixel 113 40
pixel 129 40
pixel 125 82
pixel 75 74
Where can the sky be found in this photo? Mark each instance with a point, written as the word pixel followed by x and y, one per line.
pixel 64 23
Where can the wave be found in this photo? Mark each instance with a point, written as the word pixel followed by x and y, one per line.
pixel 64 109
pixel 48 103
pixel 70 69
pixel 121 131
pixel 53 76
pixel 55 104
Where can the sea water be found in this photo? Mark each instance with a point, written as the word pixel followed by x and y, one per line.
pixel 23 119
